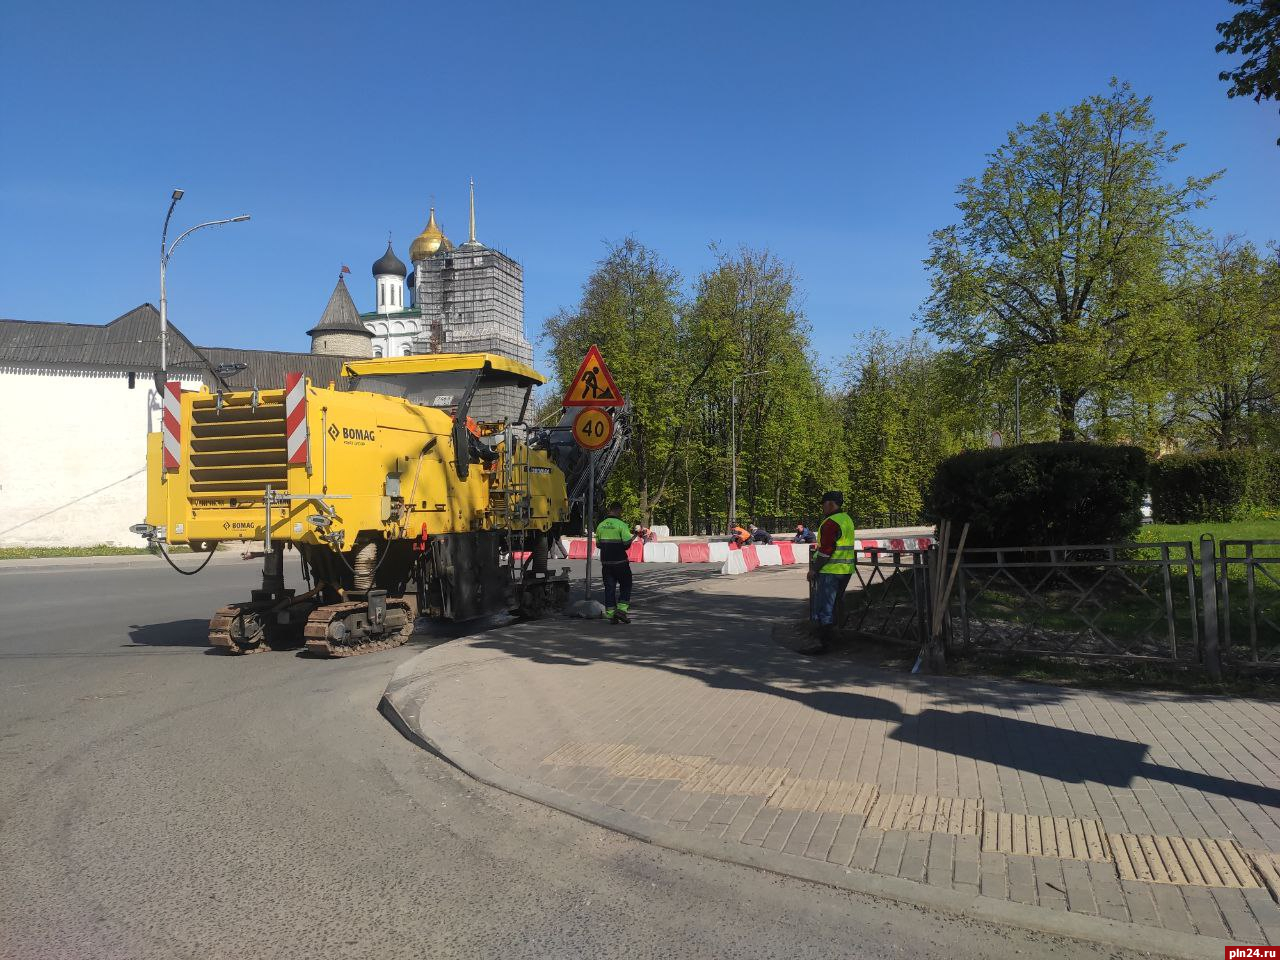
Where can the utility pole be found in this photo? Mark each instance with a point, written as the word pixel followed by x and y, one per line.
pixel 1017 410
pixel 591 515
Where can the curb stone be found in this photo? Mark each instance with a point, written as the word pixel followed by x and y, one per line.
pixel 406 716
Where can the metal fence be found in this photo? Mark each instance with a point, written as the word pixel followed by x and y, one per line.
pixel 1115 601
pixel 1248 587
pixel 1177 603
pixel 888 595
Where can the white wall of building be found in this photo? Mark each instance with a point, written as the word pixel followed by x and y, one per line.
pixel 392 337
pixel 73 449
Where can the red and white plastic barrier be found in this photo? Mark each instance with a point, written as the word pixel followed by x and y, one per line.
pixel 733 559
pixel 660 551
pixel 751 556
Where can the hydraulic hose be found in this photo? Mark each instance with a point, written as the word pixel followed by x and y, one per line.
pixel 186 573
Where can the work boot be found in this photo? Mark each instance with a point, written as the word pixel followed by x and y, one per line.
pixel 813 644
pixel 620 616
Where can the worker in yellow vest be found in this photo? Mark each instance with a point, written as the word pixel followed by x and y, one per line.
pixel 614 538
pixel 830 567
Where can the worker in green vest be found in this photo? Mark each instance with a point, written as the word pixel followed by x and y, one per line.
pixel 830 567
pixel 614 538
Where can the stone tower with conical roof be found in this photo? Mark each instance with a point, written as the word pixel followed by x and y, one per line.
pixel 340 332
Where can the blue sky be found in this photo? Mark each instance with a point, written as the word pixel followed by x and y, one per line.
pixel 834 134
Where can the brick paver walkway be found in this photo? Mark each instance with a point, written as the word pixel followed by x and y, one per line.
pixel 1153 808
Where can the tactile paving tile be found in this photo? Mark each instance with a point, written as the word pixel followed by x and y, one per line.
pixel 1027 835
pixel 658 766
pixel 735 780
pixel 591 754
pixel 1267 866
pixel 917 811
pixel 824 796
pixel 1185 861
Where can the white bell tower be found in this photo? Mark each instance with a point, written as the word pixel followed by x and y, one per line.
pixel 388 279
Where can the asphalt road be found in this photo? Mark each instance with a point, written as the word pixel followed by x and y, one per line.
pixel 158 801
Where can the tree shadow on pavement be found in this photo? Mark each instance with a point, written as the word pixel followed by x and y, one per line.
pixel 728 646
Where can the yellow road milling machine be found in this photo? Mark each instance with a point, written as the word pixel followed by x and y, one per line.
pixel 411 486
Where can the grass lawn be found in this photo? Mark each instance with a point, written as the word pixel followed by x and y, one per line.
pixel 1245 530
pixel 99 550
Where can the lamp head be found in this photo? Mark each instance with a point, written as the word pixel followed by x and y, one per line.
pixel 240 219
pixel 177 194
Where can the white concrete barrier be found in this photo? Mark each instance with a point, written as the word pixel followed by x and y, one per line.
pixel 719 551
pixel 734 563
pixel 661 553
pixel 661 531
pixel 769 555
pixel 801 552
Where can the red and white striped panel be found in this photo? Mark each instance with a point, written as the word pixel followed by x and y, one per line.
pixel 171 424
pixel 295 417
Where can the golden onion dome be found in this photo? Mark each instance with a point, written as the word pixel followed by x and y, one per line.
pixel 430 240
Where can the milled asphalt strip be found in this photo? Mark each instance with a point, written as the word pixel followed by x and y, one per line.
pixel 407 718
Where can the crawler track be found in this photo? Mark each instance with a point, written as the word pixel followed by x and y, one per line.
pixel 226 632
pixel 320 642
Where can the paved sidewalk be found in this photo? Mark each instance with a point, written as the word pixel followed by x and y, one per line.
pixel 1042 805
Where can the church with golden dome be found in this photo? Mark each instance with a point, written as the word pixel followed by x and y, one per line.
pixel 451 299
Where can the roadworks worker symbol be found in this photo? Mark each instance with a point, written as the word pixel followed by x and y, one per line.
pixel 593 384
pixel 592 428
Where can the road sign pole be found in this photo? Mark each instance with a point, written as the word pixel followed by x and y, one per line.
pixel 591 514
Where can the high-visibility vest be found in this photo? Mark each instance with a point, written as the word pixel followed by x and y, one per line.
pixel 845 553
pixel 613 537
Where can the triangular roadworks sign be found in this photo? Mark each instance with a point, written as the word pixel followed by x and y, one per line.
pixel 593 384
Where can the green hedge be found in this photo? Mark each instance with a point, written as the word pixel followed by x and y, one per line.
pixel 1216 486
pixel 1042 494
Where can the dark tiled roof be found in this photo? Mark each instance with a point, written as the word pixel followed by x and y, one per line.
pixel 268 367
pixel 132 342
pixel 340 315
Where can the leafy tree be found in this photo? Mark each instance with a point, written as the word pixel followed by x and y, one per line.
pixel 1233 311
pixel 906 407
pixel 1059 266
pixel 746 328
pixel 1255 32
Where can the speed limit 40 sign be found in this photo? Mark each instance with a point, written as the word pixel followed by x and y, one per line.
pixel 592 428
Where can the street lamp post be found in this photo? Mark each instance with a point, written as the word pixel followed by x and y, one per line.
pixel 166 251
pixel 733 441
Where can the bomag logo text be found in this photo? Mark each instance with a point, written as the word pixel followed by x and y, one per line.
pixel 356 434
